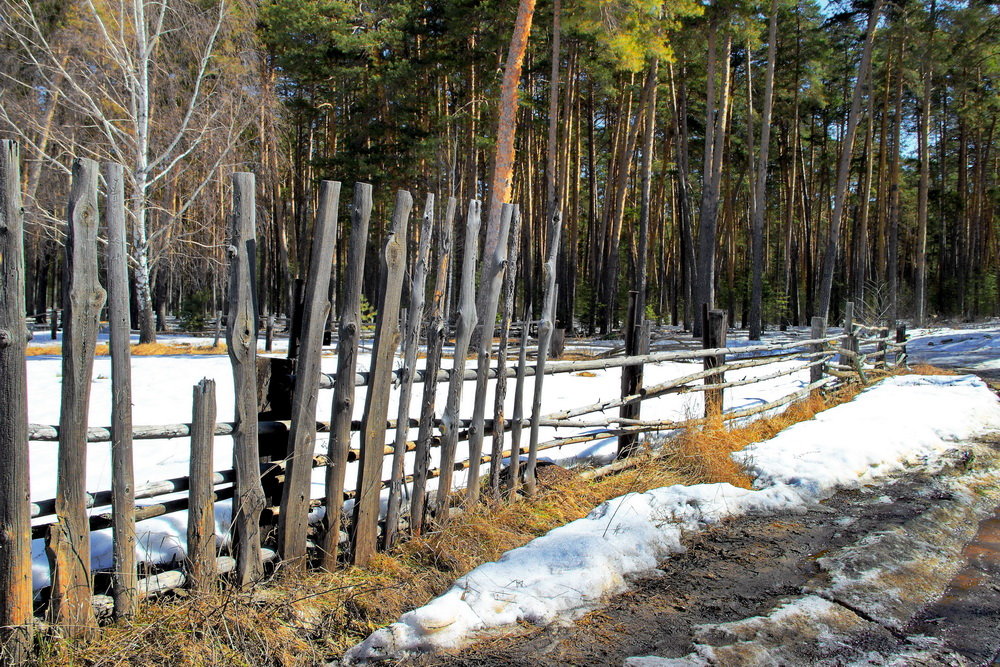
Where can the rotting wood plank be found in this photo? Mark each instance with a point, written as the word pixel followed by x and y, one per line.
pixel 413 326
pixel 201 508
pixel 463 334
pixel 15 524
pixel 125 576
pixel 83 298
pixel 293 520
pixel 241 339
pixel 435 341
pixel 349 336
pixel 364 531
pixel 489 296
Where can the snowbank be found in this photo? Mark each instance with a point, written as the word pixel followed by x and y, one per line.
pixel 565 572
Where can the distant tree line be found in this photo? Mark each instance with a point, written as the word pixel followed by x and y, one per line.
pixel 773 158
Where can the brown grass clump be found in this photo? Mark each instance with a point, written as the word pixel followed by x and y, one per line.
pixel 143 350
pixel 927 369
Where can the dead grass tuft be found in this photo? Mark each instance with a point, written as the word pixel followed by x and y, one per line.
pixel 144 350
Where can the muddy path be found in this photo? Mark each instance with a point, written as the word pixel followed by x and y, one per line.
pixel 747 566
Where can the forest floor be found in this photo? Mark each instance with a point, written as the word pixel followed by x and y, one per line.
pixel 875 575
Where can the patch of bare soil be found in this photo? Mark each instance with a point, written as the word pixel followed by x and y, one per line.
pixel 748 566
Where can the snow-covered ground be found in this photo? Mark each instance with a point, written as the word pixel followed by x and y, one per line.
pixel 975 349
pixel 898 422
pixel 162 391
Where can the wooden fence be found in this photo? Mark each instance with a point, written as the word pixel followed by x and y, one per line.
pixel 273 457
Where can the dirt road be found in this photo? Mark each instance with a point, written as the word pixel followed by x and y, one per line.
pixel 856 579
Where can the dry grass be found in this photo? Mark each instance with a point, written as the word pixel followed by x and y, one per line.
pixel 306 619
pixel 144 350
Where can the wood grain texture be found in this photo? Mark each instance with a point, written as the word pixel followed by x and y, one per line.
pixel 414 320
pixel 435 341
pixel 347 359
pixel 241 339
pixel 15 522
pixel 296 491
pixel 83 298
pixel 366 503
pixel 463 333
pixel 201 506
pixel 125 576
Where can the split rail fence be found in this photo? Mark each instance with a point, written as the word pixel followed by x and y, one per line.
pixel 274 438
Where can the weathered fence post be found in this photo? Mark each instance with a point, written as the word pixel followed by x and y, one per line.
pixel 636 342
pixel 241 339
pixel 15 514
pixel 347 359
pixel 295 494
pixel 489 288
pixel 201 497
pixel 435 341
pixel 54 323
pixel 517 414
pixel 413 326
pixel 544 339
pixel 818 330
pixel 83 298
pixel 125 577
pixel 901 342
pixel 373 424
pixel 881 349
pixel 269 333
pixel 849 344
pixel 509 283
pixel 713 336
pixel 463 333
pixel 295 321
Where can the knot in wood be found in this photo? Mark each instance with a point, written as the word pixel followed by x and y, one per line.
pixel 5 339
pixel 231 250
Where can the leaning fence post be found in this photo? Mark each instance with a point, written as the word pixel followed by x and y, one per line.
pixel 818 331
pixel 125 578
pixel 348 338
pixel 83 298
pixel 296 492
pixel 241 339
pixel 881 349
pixel 901 342
pixel 435 340
pixel 509 283
pixel 489 298
pixel 713 336
pixel 373 424
pixel 410 344
pixel 15 513
pixel 201 498
pixel 636 342
pixel 463 332
pixel 544 339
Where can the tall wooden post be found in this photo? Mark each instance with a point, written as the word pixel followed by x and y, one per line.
pixel 373 423
pixel 489 289
pixel 83 298
pixel 413 326
pixel 818 330
pixel 201 499
pixel 241 339
pixel 850 341
pixel 509 283
pixel 901 341
pixel 463 334
pixel 713 336
pixel 347 359
pixel 435 340
pixel 296 492
pixel 636 342
pixel 544 339
pixel 125 578
pixel 15 508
